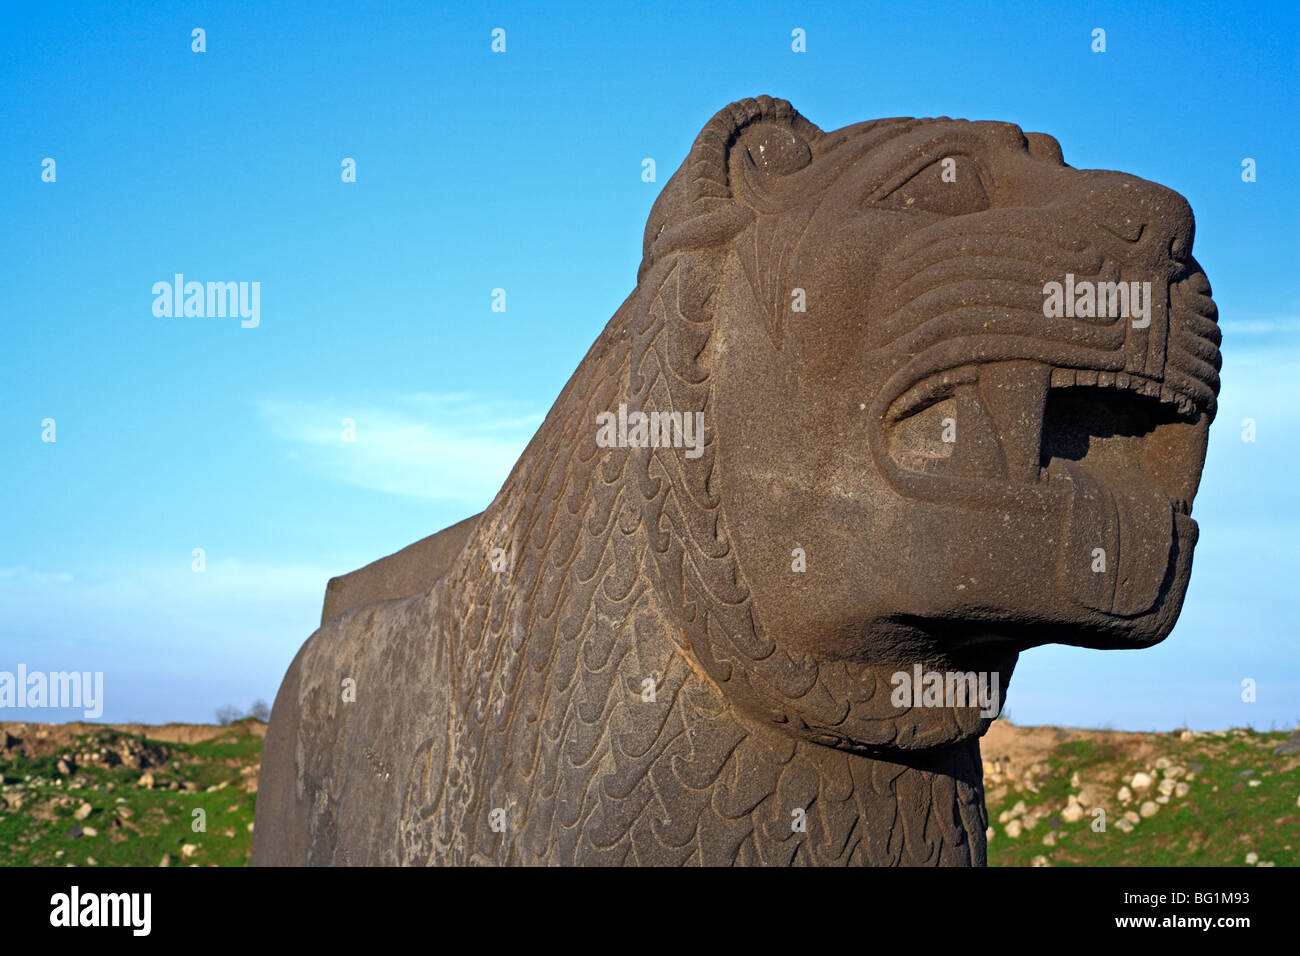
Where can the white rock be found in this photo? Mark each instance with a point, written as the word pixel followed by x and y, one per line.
pixel 1167 786
pixel 1040 860
pixel 89 831
pixel 1183 790
pixel 1253 783
pixel 1074 780
pixel 1019 808
pixel 188 850
pixel 1252 858
pixel 1124 794
pixel 1141 781
pixel 1125 825
pixel 1013 829
pixel 1050 839
pixel 1132 817
pixel 1073 813
pixel 989 834
pixel 1163 798
pixel 1149 808
pixel 1163 762
pixel 83 811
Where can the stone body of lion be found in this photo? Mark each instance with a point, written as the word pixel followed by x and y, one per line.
pixel 612 667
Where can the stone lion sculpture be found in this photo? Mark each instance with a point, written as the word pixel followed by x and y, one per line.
pixel 954 398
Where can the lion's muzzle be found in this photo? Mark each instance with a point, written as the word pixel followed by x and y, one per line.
pixel 1060 361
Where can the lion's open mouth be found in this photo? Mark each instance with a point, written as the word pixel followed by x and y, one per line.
pixel 1117 454
pixel 1102 425
pixel 1023 422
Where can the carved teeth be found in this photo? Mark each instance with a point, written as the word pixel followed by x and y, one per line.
pixel 1014 396
pixel 945 384
pixel 1064 378
pixel 999 409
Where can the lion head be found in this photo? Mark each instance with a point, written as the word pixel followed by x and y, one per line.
pixel 970 384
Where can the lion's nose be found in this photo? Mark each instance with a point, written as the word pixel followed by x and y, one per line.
pixel 1144 214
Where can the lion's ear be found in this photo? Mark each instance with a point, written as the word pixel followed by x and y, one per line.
pixel 760 161
pixel 735 169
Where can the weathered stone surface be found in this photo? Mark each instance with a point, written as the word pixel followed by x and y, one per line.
pixel 414 568
pixel 910 463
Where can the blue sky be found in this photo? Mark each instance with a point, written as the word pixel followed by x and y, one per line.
pixel 522 171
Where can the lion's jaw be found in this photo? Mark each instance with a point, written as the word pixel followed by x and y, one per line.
pixel 1059 509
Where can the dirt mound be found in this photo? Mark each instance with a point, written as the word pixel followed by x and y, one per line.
pixel 37 739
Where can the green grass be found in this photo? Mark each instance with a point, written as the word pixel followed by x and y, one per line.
pixel 1204 828
pixel 160 820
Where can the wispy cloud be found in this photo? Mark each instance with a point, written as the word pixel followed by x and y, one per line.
pixel 452 447
pixel 1285 326
pixel 157 586
pixel 23 577
pixel 173 643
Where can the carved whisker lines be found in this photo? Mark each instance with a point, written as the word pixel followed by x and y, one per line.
pixel 1020 256
pixel 994 228
pixel 983 281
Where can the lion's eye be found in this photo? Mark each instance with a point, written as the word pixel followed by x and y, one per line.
pixel 950 186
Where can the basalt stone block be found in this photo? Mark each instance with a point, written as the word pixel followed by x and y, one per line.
pixel 414 568
pixel 888 406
